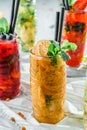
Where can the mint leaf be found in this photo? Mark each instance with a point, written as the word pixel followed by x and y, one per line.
pixel 55 50
pixel 65 56
pixel 4 28
pixel 71 2
pixel 1 30
pixel 48 99
pixel 23 1
pixel 22 18
pixel 66 45
pixel 51 49
pixel 54 60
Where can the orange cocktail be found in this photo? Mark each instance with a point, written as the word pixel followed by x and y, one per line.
pixel 75 31
pixel 47 84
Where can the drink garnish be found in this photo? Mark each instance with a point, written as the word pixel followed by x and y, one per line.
pixel 4 30
pixel 74 5
pixel 48 99
pixel 4 27
pixel 71 2
pixel 55 50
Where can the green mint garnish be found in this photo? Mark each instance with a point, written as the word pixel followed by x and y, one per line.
pixel 48 99
pixel 4 27
pixel 71 2
pixel 64 56
pixel 66 45
pixel 55 50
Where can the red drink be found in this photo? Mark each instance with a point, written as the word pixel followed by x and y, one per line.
pixel 75 31
pixel 9 69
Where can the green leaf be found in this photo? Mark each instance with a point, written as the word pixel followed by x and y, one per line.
pixel 65 56
pixel 51 50
pixel 22 17
pixel 48 99
pixel 23 1
pixel 55 50
pixel 66 45
pixel 4 25
pixel 71 2
pixel 1 30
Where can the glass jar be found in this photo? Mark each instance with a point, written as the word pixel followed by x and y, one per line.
pixel 26 24
pixel 74 30
pixel 9 69
pixel 48 86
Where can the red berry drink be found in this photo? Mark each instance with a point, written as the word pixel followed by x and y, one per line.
pixel 9 67
pixel 75 31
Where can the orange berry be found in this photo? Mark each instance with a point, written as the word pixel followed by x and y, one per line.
pixel 7 99
pixel 12 119
pixel 21 114
pixel 23 128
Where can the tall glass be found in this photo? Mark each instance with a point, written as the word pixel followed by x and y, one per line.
pixel 48 88
pixel 9 69
pixel 75 28
pixel 26 24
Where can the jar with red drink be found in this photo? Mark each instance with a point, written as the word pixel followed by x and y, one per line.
pixel 9 67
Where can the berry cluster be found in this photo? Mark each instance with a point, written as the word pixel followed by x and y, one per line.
pixel 6 36
pixel 77 27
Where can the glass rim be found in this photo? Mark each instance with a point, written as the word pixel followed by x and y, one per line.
pixel 31 53
pixel 40 57
pixel 12 40
pixel 78 11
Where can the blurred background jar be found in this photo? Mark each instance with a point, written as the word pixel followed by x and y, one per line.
pixel 75 30
pixel 26 24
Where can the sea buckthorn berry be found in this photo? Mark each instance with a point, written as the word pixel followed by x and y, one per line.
pixel 21 114
pixel 7 99
pixel 12 119
pixel 23 128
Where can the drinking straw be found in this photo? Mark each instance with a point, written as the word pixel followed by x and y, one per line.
pixel 15 15
pixel 12 16
pixel 67 4
pixel 14 12
pixel 57 25
pixel 63 1
pixel 60 25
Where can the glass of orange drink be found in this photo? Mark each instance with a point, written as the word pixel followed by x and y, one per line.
pixel 47 84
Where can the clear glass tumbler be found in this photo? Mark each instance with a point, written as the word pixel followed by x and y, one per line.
pixel 26 24
pixel 48 88
pixel 74 30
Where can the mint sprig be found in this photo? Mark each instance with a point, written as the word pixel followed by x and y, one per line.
pixel 66 45
pixel 54 50
pixel 71 2
pixel 4 27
